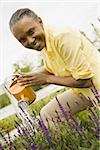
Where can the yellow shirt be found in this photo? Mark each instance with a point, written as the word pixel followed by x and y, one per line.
pixel 69 53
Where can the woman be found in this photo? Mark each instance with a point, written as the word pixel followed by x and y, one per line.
pixel 69 60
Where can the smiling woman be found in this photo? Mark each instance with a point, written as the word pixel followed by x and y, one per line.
pixel 69 60
pixel 67 57
pixel 84 12
pixel 28 29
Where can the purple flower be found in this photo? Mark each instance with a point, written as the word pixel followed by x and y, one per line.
pixel 45 130
pixel 92 101
pixel 33 147
pixel 58 117
pixel 77 126
pixel 28 122
pixel 75 123
pixel 97 128
pixel 95 92
pixel 95 121
pixel 1 147
pixel 66 115
pixel 93 114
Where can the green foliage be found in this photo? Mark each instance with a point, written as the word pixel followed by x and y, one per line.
pixel 36 87
pixel 22 68
pixel 39 104
pixel 64 137
pixel 4 100
pixel 8 124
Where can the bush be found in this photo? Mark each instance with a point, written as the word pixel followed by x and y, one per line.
pixel 4 100
pixel 71 134
pixel 81 131
pixel 8 124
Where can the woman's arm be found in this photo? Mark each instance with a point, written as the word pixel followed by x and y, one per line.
pixel 44 77
pixel 70 81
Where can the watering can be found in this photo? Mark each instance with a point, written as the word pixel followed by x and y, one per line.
pixel 26 94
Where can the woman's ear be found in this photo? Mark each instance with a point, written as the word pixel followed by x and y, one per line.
pixel 40 20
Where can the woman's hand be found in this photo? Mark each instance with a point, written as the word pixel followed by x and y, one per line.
pixel 30 79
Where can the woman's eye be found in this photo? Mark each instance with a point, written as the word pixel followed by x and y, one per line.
pixel 23 41
pixel 30 32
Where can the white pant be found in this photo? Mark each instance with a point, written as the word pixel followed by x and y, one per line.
pixel 77 103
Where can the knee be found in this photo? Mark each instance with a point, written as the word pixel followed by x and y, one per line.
pixel 42 112
pixel 44 116
pixel 45 111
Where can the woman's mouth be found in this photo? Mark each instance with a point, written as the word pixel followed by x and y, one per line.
pixel 38 45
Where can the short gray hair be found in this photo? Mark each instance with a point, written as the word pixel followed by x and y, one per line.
pixel 19 14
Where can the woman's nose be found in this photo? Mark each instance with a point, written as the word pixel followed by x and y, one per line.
pixel 30 40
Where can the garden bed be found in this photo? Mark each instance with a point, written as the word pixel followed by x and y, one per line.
pixel 80 132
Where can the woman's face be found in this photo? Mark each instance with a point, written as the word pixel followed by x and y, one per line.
pixel 30 33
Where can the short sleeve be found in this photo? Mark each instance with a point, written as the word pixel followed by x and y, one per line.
pixel 70 49
pixel 45 64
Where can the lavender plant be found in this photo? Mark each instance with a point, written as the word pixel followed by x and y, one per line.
pixel 74 133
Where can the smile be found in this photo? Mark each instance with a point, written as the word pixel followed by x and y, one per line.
pixel 36 45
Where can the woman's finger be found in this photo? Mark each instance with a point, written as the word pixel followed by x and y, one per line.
pixel 27 84
pixel 25 79
pixel 28 74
